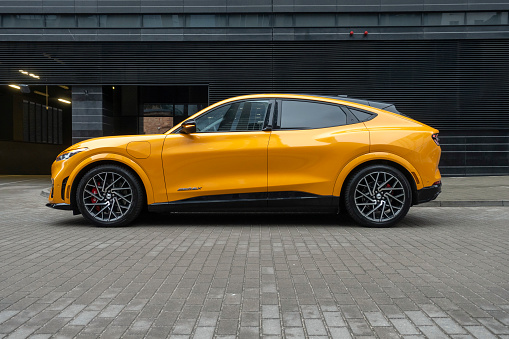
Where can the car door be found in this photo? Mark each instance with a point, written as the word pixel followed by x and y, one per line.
pixel 310 143
pixel 225 160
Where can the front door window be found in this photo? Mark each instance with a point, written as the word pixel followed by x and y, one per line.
pixel 234 117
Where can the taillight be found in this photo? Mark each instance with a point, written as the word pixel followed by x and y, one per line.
pixel 435 139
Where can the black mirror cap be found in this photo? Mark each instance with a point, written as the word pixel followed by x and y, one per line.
pixel 188 127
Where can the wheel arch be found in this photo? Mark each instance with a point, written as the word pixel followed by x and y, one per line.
pixel 94 161
pixel 383 159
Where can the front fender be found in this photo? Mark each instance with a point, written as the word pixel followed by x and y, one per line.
pixel 373 157
pixel 116 158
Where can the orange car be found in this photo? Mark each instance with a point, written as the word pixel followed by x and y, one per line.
pixel 276 152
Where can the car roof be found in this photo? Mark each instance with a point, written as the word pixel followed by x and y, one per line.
pixel 376 104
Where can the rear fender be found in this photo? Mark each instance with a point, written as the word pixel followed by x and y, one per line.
pixel 352 165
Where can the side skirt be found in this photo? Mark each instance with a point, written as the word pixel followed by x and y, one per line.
pixel 252 202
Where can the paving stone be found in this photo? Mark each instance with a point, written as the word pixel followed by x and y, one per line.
pixel 449 326
pixel 404 326
pixel 271 326
pixel 441 273
pixel 494 326
pixel 433 331
pixel 359 327
pixel 480 332
pixel 376 319
pixel 419 318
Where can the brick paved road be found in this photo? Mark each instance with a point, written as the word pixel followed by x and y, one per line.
pixel 443 272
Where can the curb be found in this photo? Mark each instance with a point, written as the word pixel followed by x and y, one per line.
pixel 466 203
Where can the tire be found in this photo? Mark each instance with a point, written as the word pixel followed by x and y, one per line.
pixel 377 196
pixel 115 204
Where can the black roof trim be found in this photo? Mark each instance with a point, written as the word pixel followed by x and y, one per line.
pixel 376 104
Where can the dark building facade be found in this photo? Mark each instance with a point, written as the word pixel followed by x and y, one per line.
pixel 72 70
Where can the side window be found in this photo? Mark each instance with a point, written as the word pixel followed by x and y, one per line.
pixel 361 115
pixel 234 117
pixel 308 115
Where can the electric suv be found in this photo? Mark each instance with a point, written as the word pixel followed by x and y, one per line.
pixel 270 152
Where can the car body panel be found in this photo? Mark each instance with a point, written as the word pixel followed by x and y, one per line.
pixel 383 156
pixel 309 160
pixel 114 149
pixel 215 163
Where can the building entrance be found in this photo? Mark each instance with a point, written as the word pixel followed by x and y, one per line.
pixel 162 107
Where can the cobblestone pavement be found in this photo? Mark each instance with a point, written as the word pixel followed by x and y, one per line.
pixel 443 272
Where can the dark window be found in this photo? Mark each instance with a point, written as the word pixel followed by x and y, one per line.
pixel 249 20
pixel 400 19
pixel 283 20
pixel 163 20
pixel 361 115
pixel 120 21
pixel 42 124
pixel 206 20
pixel 307 115
pixel 486 18
pixel 23 21
pixel 88 21
pixel 234 117
pixel 60 21
pixel 444 19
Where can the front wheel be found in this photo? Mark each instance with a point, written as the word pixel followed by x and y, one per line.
pixel 377 196
pixel 110 195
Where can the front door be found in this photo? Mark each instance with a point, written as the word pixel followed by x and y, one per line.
pixel 226 159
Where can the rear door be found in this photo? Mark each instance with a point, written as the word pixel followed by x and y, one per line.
pixel 310 143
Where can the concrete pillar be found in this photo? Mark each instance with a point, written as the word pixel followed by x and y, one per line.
pixel 91 116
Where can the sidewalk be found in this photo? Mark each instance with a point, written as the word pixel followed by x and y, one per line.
pixel 472 191
pixel 456 191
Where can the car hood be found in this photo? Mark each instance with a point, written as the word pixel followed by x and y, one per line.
pixel 113 141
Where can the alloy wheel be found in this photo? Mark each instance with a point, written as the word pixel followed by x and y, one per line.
pixel 107 196
pixel 379 196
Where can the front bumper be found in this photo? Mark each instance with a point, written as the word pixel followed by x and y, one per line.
pixel 428 193
pixel 60 206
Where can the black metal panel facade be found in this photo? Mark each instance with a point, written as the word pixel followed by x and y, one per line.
pixel 221 6
pixel 458 86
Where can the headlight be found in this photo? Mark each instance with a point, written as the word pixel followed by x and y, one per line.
pixel 69 154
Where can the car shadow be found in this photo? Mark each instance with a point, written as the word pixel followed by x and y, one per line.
pixel 242 219
pixel 198 219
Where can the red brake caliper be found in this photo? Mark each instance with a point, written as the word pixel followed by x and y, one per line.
pixel 94 200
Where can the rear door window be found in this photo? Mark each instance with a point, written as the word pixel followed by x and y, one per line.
pixel 297 114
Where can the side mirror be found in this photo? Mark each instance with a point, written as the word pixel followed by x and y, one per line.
pixel 188 127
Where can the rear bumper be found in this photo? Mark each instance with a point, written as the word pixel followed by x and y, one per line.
pixel 60 206
pixel 428 193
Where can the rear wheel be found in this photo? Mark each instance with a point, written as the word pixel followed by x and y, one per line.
pixel 377 196
pixel 110 195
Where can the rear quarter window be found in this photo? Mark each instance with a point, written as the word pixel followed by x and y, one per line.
pixel 362 115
